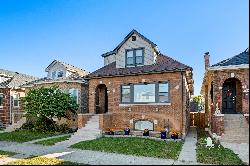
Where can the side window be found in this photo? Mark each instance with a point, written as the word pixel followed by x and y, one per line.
pixel 74 93
pixel 130 58
pixel 163 92
pixel 138 57
pixel 125 94
pixel 16 100
pixel 1 100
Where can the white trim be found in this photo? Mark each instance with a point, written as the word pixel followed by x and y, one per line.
pixel 156 104
pixel 218 114
pixel 243 66
pixel 246 114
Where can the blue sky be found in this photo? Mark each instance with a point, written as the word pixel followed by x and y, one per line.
pixel 35 32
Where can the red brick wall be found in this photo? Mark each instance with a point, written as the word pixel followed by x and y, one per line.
pixel 123 114
pixel 218 124
pixel 5 110
pixel 219 77
pixel 82 119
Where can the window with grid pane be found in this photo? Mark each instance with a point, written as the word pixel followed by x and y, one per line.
pixel 130 57
pixel 138 57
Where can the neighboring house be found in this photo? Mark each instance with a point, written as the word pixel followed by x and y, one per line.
pixel 225 89
pixel 69 79
pixel 140 88
pixel 10 92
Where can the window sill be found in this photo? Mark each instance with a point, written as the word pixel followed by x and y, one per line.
pixel 156 104
pixel 1 107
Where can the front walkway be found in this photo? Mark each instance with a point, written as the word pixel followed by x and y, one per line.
pixel 188 152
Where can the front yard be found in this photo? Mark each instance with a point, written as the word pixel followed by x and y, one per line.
pixel 215 155
pixel 133 146
pixel 52 141
pixel 25 135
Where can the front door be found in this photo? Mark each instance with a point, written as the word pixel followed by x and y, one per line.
pixel 229 97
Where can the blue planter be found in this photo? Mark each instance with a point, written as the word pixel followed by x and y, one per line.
pixel 126 132
pixel 163 135
pixel 174 137
pixel 146 133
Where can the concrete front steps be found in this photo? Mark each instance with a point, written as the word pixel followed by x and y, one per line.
pixel 89 132
pixel 16 125
pixel 236 129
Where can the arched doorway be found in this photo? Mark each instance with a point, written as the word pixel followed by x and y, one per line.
pixel 231 96
pixel 101 99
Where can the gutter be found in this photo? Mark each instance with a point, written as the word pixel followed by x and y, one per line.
pixel 10 108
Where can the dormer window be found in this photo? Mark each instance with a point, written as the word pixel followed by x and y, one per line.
pixel 57 74
pixel 134 57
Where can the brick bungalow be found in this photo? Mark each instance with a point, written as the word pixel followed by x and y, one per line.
pixel 225 90
pixel 10 92
pixel 139 88
pixel 69 79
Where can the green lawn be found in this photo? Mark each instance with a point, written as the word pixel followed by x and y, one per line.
pixel 216 155
pixel 133 146
pixel 4 154
pixel 24 135
pixel 52 141
pixel 42 161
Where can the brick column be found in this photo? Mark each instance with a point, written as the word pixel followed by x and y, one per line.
pixel 218 124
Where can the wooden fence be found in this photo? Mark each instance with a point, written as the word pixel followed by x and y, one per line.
pixel 197 119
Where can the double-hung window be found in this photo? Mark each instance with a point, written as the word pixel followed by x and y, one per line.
pixel 74 93
pixel 1 100
pixel 134 57
pixel 16 100
pixel 126 97
pixel 54 75
pixel 145 93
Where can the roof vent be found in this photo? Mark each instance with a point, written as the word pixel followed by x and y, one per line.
pixel 133 38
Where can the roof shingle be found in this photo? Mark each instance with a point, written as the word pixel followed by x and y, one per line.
pixel 164 63
pixel 242 58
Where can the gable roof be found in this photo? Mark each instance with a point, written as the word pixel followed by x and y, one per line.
pixel 15 79
pixel 163 64
pixel 69 67
pixel 125 39
pixel 242 58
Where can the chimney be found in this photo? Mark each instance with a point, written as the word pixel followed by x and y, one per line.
pixel 206 59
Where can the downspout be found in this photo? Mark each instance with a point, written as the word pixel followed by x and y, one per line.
pixel 10 107
pixel 182 100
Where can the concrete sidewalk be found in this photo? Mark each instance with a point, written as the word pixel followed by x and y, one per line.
pixel 188 152
pixel 85 156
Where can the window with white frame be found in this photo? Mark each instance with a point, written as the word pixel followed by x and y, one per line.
pixel 126 94
pixel 163 92
pixel 1 100
pixel 74 93
pixel 16 100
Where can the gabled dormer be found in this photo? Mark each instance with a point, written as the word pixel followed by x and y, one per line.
pixel 59 69
pixel 134 50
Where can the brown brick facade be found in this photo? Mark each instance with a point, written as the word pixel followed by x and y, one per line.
pixel 120 116
pixel 5 110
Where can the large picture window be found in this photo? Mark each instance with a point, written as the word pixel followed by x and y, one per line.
pixel 134 57
pixel 145 93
